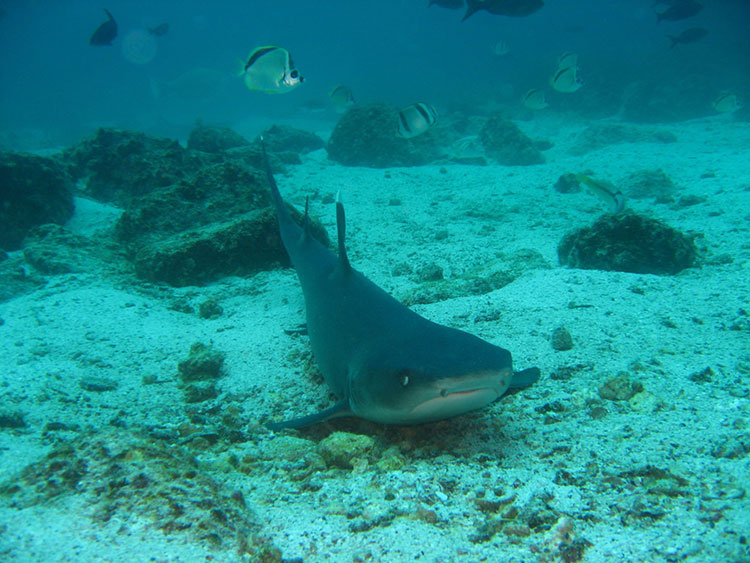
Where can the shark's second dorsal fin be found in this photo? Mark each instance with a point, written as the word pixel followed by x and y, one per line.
pixel 341 230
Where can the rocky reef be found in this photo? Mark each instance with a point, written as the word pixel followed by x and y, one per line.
pixel 191 215
pixel 507 144
pixel 628 243
pixel 34 190
pixel 366 136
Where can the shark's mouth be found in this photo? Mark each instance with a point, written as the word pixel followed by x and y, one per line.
pixel 449 404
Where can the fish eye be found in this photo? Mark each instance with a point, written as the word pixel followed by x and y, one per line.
pixel 403 378
pixel 295 73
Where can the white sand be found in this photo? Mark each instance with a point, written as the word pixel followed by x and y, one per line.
pixel 671 327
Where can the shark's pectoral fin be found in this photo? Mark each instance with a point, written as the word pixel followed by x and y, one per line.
pixel 524 378
pixel 339 409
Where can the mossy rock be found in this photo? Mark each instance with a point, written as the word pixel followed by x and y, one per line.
pixel 507 144
pixel 34 190
pixel 628 243
pixel 366 136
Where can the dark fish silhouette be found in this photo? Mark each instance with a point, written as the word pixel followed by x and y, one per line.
pixel 688 36
pixel 105 33
pixel 680 10
pixel 512 8
pixel 450 4
pixel 159 30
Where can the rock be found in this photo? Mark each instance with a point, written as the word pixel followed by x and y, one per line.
pixel 283 138
pixel 97 384
pixel 340 449
pixel 34 190
pixel 214 139
pixel 506 143
pixel 215 223
pixel 366 136
pixel 430 272
pixel 620 388
pixel 203 363
pixel 567 184
pixel 125 476
pixel 649 184
pixel 561 339
pixel 602 135
pixel 53 250
pixel 122 165
pixel 628 243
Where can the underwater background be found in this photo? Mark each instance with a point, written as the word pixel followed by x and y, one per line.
pixel 571 184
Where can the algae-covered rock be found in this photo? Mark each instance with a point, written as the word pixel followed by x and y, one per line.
pixel 644 184
pixel 126 476
pixel 506 143
pixel 215 222
pixel 628 243
pixel 600 135
pixel 34 190
pixel 214 139
pixel 284 138
pixel 203 363
pixel 121 165
pixel 341 449
pixel 366 136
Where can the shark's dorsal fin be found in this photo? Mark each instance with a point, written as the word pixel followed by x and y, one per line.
pixel 306 220
pixel 341 231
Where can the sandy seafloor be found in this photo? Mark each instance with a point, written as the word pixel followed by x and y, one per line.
pixel 664 476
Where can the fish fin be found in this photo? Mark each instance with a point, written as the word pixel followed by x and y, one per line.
pixel 471 7
pixel 341 231
pixel 524 378
pixel 109 15
pixel 289 229
pixel 338 410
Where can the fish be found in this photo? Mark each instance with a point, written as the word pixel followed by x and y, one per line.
pixel 566 80
pixel 271 70
pixel 341 97
pixel 415 119
pixel 384 362
pixel 511 8
pixel 688 36
pixel 534 99
pixel 680 10
pixel 727 103
pixel 606 191
pixel 105 33
pixel 501 49
pixel 450 4
pixel 159 30
pixel 567 60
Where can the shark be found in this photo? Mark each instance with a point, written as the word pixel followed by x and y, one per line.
pixel 384 362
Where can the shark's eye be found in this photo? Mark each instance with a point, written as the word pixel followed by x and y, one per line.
pixel 403 378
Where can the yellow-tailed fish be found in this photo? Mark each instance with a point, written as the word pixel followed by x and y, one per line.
pixel 270 69
pixel 605 190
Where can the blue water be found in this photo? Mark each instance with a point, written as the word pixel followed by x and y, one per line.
pixel 395 51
